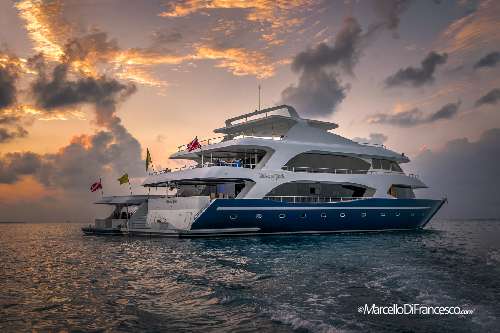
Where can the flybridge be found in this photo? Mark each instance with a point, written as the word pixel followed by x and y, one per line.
pixel 272 122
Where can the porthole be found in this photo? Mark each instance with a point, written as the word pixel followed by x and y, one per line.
pixel 397 214
pixel 342 214
pixel 323 215
pixel 363 214
pixel 382 214
pixel 258 216
pixel 282 216
pixel 303 215
pixel 233 217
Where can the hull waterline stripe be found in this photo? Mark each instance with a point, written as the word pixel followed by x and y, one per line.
pixel 283 208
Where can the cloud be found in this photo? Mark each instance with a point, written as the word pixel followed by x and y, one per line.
pixel 415 116
pixel 390 11
pixel 416 77
pixel 466 172
pixel 59 92
pixel 317 93
pixel 344 53
pixel 489 60
pixel 6 135
pixel 492 97
pixel 272 18
pixel 15 165
pixel 8 89
pixel 373 138
pixel 476 31
pixel 319 89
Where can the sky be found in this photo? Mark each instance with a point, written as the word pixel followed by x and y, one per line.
pixel 87 85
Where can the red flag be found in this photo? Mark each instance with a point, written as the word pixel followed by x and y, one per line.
pixel 193 144
pixel 96 186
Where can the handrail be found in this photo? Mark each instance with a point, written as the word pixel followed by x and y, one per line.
pixel 298 198
pixel 221 138
pixel 205 165
pixel 346 171
pixel 371 144
pixel 292 169
pixel 206 141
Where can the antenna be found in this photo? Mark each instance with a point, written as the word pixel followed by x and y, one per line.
pixel 259 96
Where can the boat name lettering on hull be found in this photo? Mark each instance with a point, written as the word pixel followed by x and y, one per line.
pixel 274 176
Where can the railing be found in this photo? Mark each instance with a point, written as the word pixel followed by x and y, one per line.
pixel 370 144
pixel 323 170
pixel 203 142
pixel 346 171
pixel 211 141
pixel 294 198
pixel 206 165
pixel 293 169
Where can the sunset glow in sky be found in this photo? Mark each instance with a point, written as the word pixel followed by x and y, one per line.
pixel 87 85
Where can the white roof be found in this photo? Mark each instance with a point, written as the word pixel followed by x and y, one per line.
pixel 268 124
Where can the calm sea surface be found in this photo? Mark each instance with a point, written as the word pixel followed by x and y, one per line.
pixel 54 279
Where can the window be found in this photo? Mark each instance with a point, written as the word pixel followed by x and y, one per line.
pixel 342 214
pixel 233 217
pixel 258 216
pixel 282 216
pixel 363 214
pixel 401 192
pixel 326 162
pixel 303 215
pixel 323 215
pixel 383 164
pixel 317 191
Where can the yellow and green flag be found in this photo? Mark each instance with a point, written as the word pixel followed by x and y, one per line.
pixel 148 159
pixel 123 179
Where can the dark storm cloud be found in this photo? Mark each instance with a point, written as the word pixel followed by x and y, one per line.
pixel 416 117
pixel 15 165
pixel 344 53
pixel 373 138
pixel 316 93
pixel 489 60
pixel 466 173
pixel 319 89
pixel 492 97
pixel 390 11
pixel 58 91
pixel 416 77
pixel 8 90
pixel 7 135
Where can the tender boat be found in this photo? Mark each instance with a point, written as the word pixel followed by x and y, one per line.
pixel 273 172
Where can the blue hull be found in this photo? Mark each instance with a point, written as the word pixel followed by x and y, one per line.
pixel 259 216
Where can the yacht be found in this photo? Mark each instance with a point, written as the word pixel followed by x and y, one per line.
pixel 274 172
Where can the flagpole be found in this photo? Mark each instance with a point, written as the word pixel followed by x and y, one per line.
pixel 130 187
pixel 102 191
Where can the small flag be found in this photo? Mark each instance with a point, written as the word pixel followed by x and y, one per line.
pixel 96 186
pixel 123 179
pixel 148 159
pixel 193 144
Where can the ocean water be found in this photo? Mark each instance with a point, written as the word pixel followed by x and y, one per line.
pixel 54 279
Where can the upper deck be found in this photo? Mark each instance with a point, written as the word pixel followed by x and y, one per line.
pixel 280 128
